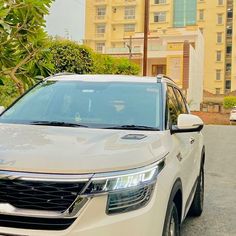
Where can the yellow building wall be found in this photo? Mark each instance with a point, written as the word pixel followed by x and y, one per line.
pixel 115 34
pixel 114 21
pixel 233 75
pixel 175 68
pixel 210 30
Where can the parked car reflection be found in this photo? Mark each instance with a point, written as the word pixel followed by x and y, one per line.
pixel 233 115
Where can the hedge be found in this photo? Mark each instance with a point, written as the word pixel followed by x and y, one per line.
pixel 229 102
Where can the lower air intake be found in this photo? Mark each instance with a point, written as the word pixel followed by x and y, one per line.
pixel 34 223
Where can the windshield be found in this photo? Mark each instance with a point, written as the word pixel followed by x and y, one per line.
pixel 94 104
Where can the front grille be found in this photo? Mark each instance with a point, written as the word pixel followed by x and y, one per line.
pixel 43 195
pixel 34 223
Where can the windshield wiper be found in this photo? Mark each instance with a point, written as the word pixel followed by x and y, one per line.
pixel 57 123
pixel 133 127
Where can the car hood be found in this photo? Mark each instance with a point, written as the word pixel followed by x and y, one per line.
pixel 44 149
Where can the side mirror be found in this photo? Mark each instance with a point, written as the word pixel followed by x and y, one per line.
pixel 2 109
pixel 188 123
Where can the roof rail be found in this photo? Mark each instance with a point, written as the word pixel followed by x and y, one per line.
pixel 161 77
pixel 58 74
pixel 63 73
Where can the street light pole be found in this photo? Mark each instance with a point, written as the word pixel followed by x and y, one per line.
pixel 146 31
pixel 129 46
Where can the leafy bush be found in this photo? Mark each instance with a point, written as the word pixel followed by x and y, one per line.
pixel 68 56
pixel 8 92
pixel 125 67
pixel 104 64
pixel 229 102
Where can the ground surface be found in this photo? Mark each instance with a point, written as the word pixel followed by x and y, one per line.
pixel 219 217
pixel 214 118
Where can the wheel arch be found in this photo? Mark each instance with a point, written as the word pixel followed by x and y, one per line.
pixel 176 196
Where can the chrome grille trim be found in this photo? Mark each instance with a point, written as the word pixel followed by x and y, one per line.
pixel 28 176
pixel 71 212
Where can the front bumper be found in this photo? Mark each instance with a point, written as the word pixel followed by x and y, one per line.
pixel 93 220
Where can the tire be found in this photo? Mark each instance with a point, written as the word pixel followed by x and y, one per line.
pixel 172 225
pixel 196 208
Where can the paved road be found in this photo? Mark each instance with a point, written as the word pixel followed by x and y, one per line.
pixel 219 217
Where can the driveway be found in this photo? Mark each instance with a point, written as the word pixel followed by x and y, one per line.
pixel 219 217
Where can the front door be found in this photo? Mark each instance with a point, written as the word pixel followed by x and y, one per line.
pixel 158 69
pixel 185 143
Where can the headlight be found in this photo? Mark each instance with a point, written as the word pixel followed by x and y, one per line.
pixel 127 190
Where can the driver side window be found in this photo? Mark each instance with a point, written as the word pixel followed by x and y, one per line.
pixel 173 107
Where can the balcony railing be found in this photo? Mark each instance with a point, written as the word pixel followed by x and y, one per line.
pixel 124 2
pixel 123 50
pixel 137 49
pixel 157 48
pixel 102 17
pixel 98 2
pixel 100 35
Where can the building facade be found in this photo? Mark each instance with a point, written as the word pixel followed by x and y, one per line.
pixel 115 27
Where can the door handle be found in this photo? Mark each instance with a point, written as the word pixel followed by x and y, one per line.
pixel 192 140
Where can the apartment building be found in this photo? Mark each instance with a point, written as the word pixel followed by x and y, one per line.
pixel 115 27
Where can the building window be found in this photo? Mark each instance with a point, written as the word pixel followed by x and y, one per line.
pixel 160 16
pixel 219 37
pixel 229 31
pixel 129 27
pixel 185 13
pixel 220 2
pixel 228 84
pixel 218 90
pixel 230 13
pixel 99 47
pixel 201 15
pixel 101 12
pixel 218 56
pixel 218 74
pixel 228 67
pixel 101 29
pixel 220 19
pixel 229 49
pixel 130 12
pixel 114 10
pixel 159 1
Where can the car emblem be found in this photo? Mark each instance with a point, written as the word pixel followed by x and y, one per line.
pixel 179 156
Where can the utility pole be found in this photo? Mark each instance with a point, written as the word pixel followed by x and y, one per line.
pixel 146 31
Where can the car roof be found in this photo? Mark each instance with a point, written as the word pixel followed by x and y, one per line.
pixel 108 78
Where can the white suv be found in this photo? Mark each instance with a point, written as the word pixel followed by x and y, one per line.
pixel 100 155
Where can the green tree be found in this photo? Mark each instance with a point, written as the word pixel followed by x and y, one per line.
pixel 69 56
pixel 23 41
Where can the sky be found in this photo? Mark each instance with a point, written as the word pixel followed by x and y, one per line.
pixel 67 19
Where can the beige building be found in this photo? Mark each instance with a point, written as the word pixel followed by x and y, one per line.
pixel 115 27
